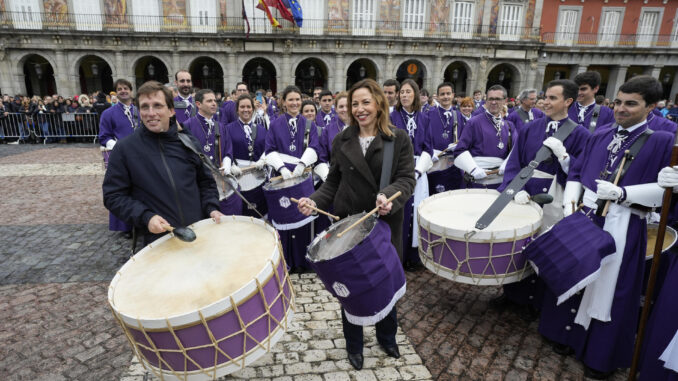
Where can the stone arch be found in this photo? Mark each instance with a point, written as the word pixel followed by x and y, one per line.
pixel 412 68
pixel 37 72
pixel 207 73
pixel 355 74
pixel 311 72
pixel 464 76
pixel 260 72
pixel 150 67
pixel 511 79
pixel 93 72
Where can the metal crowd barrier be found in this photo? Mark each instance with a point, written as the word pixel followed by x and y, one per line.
pixel 49 127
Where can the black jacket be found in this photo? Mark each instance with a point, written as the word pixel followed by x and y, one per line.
pixel 150 174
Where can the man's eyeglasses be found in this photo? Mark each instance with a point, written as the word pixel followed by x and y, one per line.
pixel 495 99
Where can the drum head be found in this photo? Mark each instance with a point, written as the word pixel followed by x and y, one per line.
pixel 444 162
pixel 251 179
pixel 282 184
pixel 327 245
pixel 669 239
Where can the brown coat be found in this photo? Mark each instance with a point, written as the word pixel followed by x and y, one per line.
pixel 353 181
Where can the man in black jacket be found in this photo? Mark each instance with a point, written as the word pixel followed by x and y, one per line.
pixel 153 180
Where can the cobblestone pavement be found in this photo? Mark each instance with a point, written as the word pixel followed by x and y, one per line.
pixel 58 257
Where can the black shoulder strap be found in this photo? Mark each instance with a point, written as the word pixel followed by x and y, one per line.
pixel 594 118
pixel 254 131
pixel 455 125
pixel 386 164
pixel 307 132
pixel 523 115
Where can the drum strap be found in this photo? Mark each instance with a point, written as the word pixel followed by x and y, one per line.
pixel 522 178
pixel 386 164
pixel 307 133
pixel 523 115
pixel 594 118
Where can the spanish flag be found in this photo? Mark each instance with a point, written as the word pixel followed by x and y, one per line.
pixel 264 7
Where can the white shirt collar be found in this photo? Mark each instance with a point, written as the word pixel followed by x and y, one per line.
pixel 592 103
pixel 634 127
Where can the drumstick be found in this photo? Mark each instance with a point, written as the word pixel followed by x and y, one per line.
pixel 248 168
pixel 616 180
pixel 317 210
pixel 278 178
pixel 371 212
pixel 492 172
pixel 574 206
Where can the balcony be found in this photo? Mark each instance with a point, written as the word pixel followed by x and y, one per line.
pixel 223 26
pixel 595 40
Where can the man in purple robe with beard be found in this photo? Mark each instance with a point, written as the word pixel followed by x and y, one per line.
pixel 184 104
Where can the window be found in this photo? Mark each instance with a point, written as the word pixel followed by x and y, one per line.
pixel 25 14
pixel 510 22
pixel 87 15
pixel 647 27
pixel 364 14
pixel 568 26
pixel 203 16
pixel 609 26
pixel 314 17
pixel 674 35
pixel 258 21
pixel 462 19
pixel 413 18
pixel 146 16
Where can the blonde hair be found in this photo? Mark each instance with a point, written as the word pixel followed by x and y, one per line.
pixel 342 94
pixel 383 122
pixel 83 99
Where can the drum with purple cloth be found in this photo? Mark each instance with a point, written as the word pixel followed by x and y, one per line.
pixel 282 212
pixel 450 246
pixel 251 182
pixel 105 154
pixel 361 269
pixel 443 175
pixel 569 255
pixel 203 309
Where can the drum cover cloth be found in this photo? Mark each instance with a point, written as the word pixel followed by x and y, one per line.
pixel 281 210
pixel 368 279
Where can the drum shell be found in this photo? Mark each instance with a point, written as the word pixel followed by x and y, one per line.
pixel 281 210
pixel 256 198
pixel 368 279
pixel 446 178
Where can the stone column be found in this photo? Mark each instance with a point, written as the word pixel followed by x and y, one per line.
pixel 388 70
pixel 487 12
pixel 674 89
pixel 340 72
pixel 176 65
pixel 538 9
pixel 287 77
pixel 6 74
pixel 231 74
pixel 437 77
pixel 63 84
pixel 653 71
pixel 538 80
pixel 617 77
pixel 577 69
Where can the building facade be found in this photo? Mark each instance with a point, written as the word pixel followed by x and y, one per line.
pixel 74 46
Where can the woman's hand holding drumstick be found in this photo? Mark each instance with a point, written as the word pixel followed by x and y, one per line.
pixel 306 206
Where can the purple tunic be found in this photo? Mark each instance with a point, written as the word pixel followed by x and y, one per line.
pixel 479 137
pixel 323 120
pixel 420 136
pixel 331 130
pixel 185 114
pixel 606 115
pixel 443 130
pixel 272 108
pixel 279 137
pixel 606 346
pixel 227 112
pixel 240 143
pixel 516 118
pixel 659 123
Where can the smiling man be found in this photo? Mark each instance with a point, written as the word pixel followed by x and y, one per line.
pixel 585 111
pixel 184 103
pixel 153 181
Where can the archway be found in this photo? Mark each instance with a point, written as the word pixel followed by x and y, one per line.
pixel 456 74
pixel 360 69
pixel 604 72
pixel 554 72
pixel 38 76
pixel 206 73
pixel 259 73
pixel 310 73
pixel 95 75
pixel 411 69
pixel 150 69
pixel 505 75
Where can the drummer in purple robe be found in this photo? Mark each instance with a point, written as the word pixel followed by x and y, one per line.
pixel 116 123
pixel 407 117
pixel 549 177
pixel 486 142
pixel 353 186
pixel 248 138
pixel 215 142
pixel 184 104
pixel 585 111
pixel 228 111
pixel 446 125
pixel 599 325
pixel 525 112
pixel 291 147
pixel 326 113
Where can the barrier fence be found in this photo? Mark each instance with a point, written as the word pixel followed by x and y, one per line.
pixel 49 127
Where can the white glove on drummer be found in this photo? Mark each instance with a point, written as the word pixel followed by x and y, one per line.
pixel 522 197
pixel 556 146
pixel 478 173
pixel 259 164
pixel 110 144
pixel 466 163
pixel 572 192
pixel 605 190
pixel 668 177
pixel 235 170
pixel 286 174
pixel 322 170
pixel 226 166
pixel 298 170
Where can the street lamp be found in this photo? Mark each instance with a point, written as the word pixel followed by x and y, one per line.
pixel 95 69
pixel 361 71
pixel 151 70
pixel 311 71
pixel 205 70
pixel 260 71
pixel 38 70
pixel 667 78
pixel 455 74
pixel 556 76
pixel 501 76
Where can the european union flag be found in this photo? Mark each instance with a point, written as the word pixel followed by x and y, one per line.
pixel 295 8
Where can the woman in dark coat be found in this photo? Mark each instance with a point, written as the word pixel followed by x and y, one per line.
pixel 352 186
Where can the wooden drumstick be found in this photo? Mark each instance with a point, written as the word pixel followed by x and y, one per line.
pixel 574 206
pixel 616 180
pixel 371 212
pixel 492 172
pixel 336 218
pixel 278 178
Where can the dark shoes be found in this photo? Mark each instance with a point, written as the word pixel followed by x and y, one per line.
pixel 500 302
pixel 411 266
pixel 356 360
pixel 562 349
pixel 596 374
pixel 391 351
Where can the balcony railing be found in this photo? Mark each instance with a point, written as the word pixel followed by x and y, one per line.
pixel 258 26
pixel 611 40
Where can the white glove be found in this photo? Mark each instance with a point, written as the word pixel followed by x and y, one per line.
pixel 226 166
pixel 478 173
pixel 298 170
pixel 235 170
pixel 451 146
pixel 522 197
pixel 309 157
pixel 322 170
pixel 286 174
pixel 572 192
pixel 502 167
pixel 605 190
pixel 273 159
pixel 556 147
pixel 653 217
pixel 260 163
pixel 668 177
pixel 110 143
pixel 424 163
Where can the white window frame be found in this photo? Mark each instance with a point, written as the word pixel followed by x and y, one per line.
pixel 26 14
pixel 143 21
pixel 314 25
pixel 87 15
pixel 674 34
pixel 512 30
pixel 610 38
pixel 203 16
pixel 257 18
pixel 568 38
pixel 364 22
pixel 648 38
pixel 414 17
pixel 461 26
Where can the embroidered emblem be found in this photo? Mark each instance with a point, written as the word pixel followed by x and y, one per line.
pixel 340 289
pixel 440 188
pixel 284 202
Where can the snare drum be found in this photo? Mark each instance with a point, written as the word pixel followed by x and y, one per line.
pixel 361 269
pixel 282 211
pixel 203 309
pixel 444 176
pixel 450 246
pixel 251 183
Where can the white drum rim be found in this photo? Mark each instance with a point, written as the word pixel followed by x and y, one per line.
pixel 215 309
pixel 649 256
pixel 480 236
